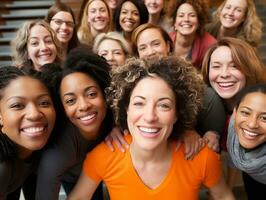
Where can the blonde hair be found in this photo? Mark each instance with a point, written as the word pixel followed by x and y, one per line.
pixel 19 43
pixel 250 30
pixel 84 30
pixel 112 36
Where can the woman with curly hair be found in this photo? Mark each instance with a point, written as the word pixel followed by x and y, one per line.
pixel 156 101
pixel 237 18
pixel 96 19
pixel 35 44
pixel 190 38
pixel 27 118
pixel 85 119
pixel 62 20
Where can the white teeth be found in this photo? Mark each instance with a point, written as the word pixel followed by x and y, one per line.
pixel 88 117
pixel 251 134
pixel 226 84
pixel 149 130
pixel 186 26
pixel 33 129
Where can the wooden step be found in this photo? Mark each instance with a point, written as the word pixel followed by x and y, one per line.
pixel 5 40
pixel 25 14
pixel 27 4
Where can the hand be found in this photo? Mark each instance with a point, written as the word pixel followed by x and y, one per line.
pixel 193 143
pixel 212 140
pixel 117 136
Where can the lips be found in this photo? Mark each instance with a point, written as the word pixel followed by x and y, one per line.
pixel 34 131
pixel 249 134
pixel 149 132
pixel 88 118
pixel 226 84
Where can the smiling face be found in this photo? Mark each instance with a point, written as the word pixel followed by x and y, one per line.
pixel 40 46
pixel 233 13
pixel 129 18
pixel 186 22
pixel 98 16
pixel 27 114
pixel 150 43
pixel 224 77
pixel 63 24
pixel 250 120
pixel 112 51
pixel 151 113
pixel 154 6
pixel 84 103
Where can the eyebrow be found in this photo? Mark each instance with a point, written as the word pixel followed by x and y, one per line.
pixel 160 99
pixel 85 89
pixel 20 97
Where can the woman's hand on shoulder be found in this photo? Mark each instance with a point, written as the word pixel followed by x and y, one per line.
pixel 212 139
pixel 117 135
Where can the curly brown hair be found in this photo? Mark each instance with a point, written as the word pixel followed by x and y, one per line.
pixel 180 75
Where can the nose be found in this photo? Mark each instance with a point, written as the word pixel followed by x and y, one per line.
pixel 150 114
pixel 109 56
pixel 129 15
pixel 43 45
pixel 252 122
pixel 64 25
pixel 231 11
pixel 186 17
pixel 33 113
pixel 150 51
pixel 224 72
pixel 83 105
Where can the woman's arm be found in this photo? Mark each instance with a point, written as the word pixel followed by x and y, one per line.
pixel 84 189
pixel 221 191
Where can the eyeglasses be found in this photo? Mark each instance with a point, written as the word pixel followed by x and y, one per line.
pixel 59 22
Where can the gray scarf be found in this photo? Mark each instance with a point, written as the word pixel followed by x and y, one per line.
pixel 252 162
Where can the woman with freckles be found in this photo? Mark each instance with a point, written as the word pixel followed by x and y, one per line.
pixel 156 101
pixel 246 142
pixel 96 19
pixel 27 118
pixel 35 44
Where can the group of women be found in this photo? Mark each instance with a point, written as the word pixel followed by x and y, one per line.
pixel 72 86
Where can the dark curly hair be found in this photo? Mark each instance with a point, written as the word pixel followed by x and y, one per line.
pixel 83 60
pixel 180 75
pixel 201 8
pixel 143 13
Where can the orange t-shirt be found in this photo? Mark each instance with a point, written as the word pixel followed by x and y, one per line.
pixel 183 180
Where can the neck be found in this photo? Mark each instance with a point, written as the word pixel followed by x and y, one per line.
pixel 154 18
pixel 160 153
pixel 127 36
pixel 183 44
pixel 229 104
pixel 23 153
pixel 227 32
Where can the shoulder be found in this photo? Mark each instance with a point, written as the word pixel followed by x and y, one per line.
pixel 7 148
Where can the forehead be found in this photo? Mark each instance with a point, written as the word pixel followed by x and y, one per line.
pixel 237 3
pixel 153 86
pixel 129 6
pixel 151 33
pixel 221 53
pixel 255 101
pixel 186 7
pixel 97 4
pixel 38 31
pixel 64 16
pixel 109 44
pixel 24 86
pixel 76 81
